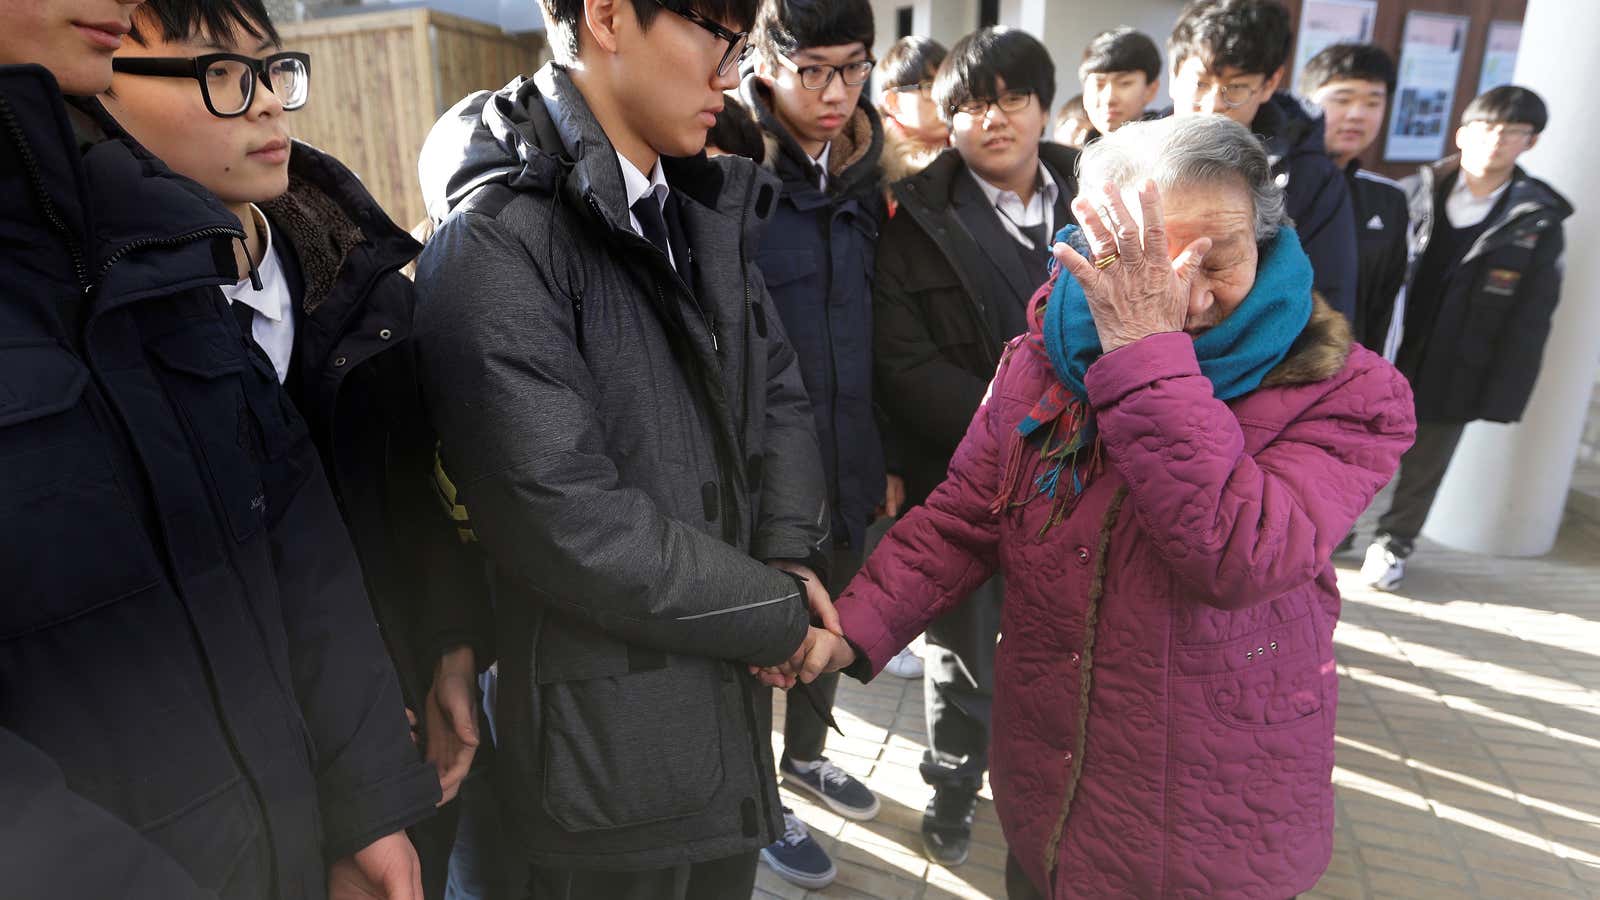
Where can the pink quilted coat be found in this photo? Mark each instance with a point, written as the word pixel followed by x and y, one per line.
pixel 1165 685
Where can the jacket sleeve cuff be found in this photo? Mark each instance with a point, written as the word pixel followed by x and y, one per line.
pixel 352 819
pixel 1140 364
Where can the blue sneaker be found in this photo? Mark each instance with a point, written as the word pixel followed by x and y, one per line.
pixel 834 786
pixel 798 858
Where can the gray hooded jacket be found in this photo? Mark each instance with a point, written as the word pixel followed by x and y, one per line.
pixel 631 449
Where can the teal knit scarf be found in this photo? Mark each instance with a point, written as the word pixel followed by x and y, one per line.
pixel 1234 355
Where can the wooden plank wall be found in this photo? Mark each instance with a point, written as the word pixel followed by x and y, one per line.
pixel 380 80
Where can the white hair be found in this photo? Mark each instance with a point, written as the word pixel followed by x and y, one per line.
pixel 1188 150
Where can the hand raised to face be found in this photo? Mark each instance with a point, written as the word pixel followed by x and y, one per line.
pixel 1134 287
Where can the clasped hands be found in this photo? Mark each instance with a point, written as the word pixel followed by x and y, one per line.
pixel 824 648
pixel 1135 288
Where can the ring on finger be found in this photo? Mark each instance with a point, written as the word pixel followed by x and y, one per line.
pixel 1107 261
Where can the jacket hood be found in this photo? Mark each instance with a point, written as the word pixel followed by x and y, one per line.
pixel 855 160
pixel 1288 130
pixel 326 215
pixel 1526 192
pixel 538 135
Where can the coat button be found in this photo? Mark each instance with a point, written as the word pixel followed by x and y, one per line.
pixel 1067 756
pixel 1076 660
pixel 385 334
pixel 1083 556
pixel 339 362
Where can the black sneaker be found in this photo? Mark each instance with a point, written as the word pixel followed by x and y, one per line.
pixel 947 825
pixel 798 858
pixel 834 786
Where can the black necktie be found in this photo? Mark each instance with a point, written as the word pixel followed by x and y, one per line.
pixel 648 211
pixel 246 318
pixel 1034 233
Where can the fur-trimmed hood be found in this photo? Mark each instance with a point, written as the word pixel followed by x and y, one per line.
pixel 853 163
pixel 904 155
pixel 1319 353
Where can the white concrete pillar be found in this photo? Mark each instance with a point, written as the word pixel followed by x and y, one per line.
pixel 1507 485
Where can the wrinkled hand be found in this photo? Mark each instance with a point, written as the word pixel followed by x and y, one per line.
pixel 820 653
pixel 1145 291
pixel 894 497
pixel 386 869
pixel 816 594
pixel 452 719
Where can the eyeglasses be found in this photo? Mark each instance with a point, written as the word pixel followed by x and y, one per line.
pixel 1502 130
pixel 1232 96
pixel 1009 102
pixel 228 80
pixel 738 41
pixel 818 77
pixel 925 89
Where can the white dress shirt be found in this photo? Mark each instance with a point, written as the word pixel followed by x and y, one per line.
pixel 273 323
pixel 1040 210
pixel 637 186
pixel 1466 210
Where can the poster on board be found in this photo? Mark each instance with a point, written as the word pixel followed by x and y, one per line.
pixel 1327 22
pixel 1430 63
pixel 1499 55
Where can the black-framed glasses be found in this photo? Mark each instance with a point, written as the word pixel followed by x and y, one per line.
pixel 228 80
pixel 924 88
pixel 818 77
pixel 1009 102
pixel 738 41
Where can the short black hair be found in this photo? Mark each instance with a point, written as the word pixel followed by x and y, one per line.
pixel 911 60
pixel 1508 105
pixel 223 21
pixel 1249 35
pixel 563 19
pixel 979 59
pixel 789 26
pixel 1121 50
pixel 1348 62
pixel 736 131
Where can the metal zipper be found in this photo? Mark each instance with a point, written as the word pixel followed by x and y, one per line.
pixel 52 215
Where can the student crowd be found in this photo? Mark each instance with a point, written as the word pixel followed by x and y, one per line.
pixel 694 311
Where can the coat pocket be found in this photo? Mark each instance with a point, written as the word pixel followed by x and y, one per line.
pixel 632 749
pixel 59 498
pixel 217 837
pixel 207 375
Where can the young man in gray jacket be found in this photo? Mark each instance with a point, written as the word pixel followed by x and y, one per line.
pixel 622 413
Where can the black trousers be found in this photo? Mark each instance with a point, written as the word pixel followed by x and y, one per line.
pixel 958 689
pixel 730 878
pixel 1422 470
pixel 804 732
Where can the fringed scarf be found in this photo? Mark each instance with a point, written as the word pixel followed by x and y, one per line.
pixel 1235 355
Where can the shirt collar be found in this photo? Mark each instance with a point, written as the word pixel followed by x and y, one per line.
pixel 1048 192
pixel 1462 190
pixel 270 302
pixel 638 185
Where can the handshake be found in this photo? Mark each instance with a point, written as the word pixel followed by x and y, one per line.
pixel 823 650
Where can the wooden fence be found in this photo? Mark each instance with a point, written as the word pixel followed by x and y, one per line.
pixel 380 80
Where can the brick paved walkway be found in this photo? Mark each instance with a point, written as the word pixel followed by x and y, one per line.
pixel 1468 745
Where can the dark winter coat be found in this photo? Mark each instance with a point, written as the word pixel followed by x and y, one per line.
pixel 193 699
pixel 1315 195
pixel 1480 356
pixel 631 447
pixel 1382 221
pixel 935 284
pixel 817 255
pixel 354 378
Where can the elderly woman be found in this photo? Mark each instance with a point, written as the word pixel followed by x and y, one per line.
pixel 1162 469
